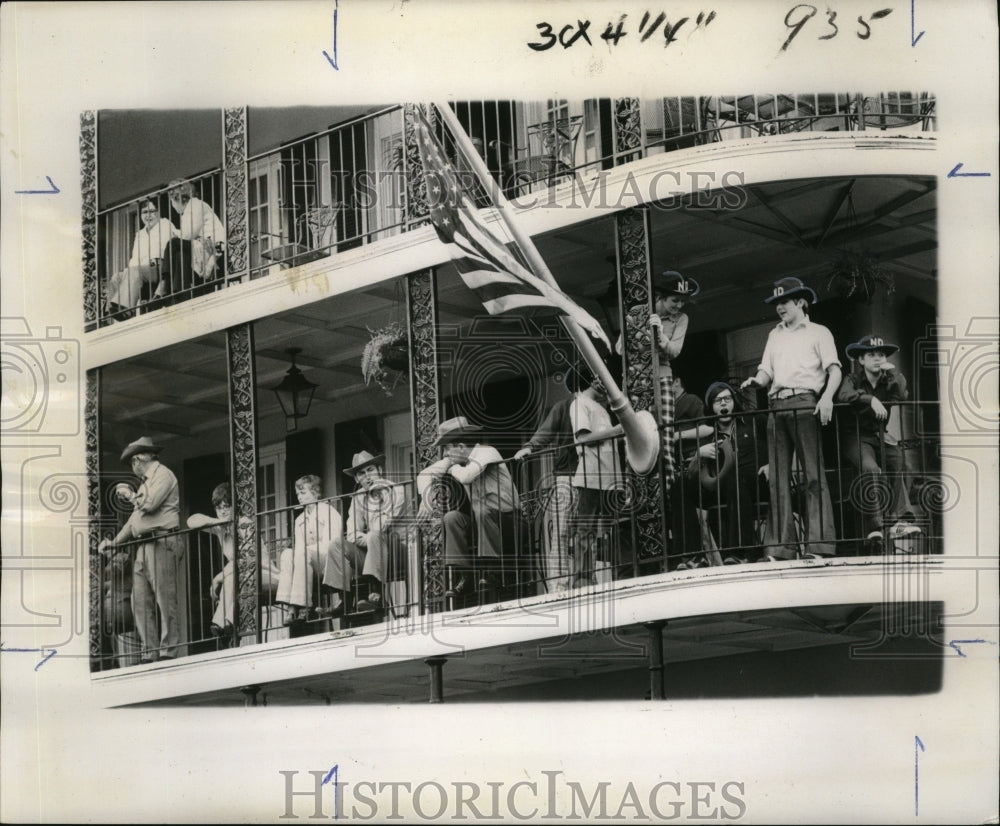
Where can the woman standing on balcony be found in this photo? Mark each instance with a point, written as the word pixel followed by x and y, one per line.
pixel 125 287
pixel 671 292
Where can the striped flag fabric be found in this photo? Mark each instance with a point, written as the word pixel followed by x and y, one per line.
pixel 485 263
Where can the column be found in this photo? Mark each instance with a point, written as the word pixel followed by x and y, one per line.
pixel 243 444
pixel 632 246
pixel 234 130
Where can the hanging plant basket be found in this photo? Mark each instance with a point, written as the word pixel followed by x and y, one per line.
pixel 859 276
pixel 386 357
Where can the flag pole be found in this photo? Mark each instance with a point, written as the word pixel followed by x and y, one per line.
pixel 642 443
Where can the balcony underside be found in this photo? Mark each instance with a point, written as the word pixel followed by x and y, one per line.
pixel 870 622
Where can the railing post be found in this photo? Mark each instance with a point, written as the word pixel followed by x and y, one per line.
pixel 243 448
pixel 234 126
pixel 437 681
pixel 421 312
pixel 656 686
pixel 88 195
pixel 92 426
pixel 249 693
pixel 632 245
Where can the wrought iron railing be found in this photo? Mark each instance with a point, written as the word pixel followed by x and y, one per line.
pixel 519 532
pixel 354 184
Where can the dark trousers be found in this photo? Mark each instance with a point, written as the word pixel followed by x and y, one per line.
pixel 793 428
pixel 880 492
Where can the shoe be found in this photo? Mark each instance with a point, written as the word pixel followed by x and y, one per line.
pixel 460 588
pixel 876 543
pixel 485 582
pixel 904 528
pixel 218 631
pixel 734 560
pixel 812 555
pixel 298 614
pixel 682 566
pixel 769 558
pixel 373 603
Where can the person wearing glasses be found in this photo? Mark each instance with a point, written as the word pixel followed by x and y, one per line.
pixel 125 288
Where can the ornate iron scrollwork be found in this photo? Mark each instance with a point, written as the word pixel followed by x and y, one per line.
pixel 88 194
pixel 424 402
pixel 243 428
pixel 235 156
pixel 632 244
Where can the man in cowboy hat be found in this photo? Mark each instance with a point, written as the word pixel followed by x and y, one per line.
pixel 801 372
pixel 727 469
pixel 370 519
pixel 495 505
pixel 867 443
pixel 159 554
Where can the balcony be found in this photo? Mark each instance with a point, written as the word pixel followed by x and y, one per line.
pixel 358 182
pixel 302 577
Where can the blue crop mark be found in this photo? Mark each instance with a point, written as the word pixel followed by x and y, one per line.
pixel 333 60
pixel 955 643
pixel 52 190
pixel 48 656
pixel 918 747
pixel 914 37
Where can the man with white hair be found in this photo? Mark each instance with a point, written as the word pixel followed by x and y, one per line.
pixel 159 556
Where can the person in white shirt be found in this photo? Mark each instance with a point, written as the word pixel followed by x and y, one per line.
pixel 801 371
pixel 197 250
pixel 125 287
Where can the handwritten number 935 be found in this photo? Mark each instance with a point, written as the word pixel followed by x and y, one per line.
pixel 801 14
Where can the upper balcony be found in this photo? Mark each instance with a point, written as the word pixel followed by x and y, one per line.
pixel 190 220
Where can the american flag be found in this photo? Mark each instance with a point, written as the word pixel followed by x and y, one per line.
pixel 485 263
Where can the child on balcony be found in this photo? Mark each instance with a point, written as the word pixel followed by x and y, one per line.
pixel 318 555
pixel 868 444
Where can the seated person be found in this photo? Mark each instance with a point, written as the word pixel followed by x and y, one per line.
pixel 870 389
pixel 370 521
pixel 494 521
pixel 126 287
pixel 726 469
pixel 318 556
pixel 223 587
pixel 195 252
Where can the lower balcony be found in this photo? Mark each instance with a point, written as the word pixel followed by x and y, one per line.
pixel 577 585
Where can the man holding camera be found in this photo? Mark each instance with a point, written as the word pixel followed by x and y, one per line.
pixel 868 445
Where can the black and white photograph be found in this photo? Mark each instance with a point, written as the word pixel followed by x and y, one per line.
pixel 428 412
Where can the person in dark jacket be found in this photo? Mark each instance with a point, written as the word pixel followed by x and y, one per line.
pixel 880 491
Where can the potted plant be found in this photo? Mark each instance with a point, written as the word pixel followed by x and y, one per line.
pixel 859 276
pixel 386 357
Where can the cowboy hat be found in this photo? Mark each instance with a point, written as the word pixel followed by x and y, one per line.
pixel 455 430
pixel 710 473
pixel 362 460
pixel 869 343
pixel 141 445
pixel 671 282
pixel 786 288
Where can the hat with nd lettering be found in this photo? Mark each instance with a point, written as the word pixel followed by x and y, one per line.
pixel 868 344
pixel 786 288
pixel 671 282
